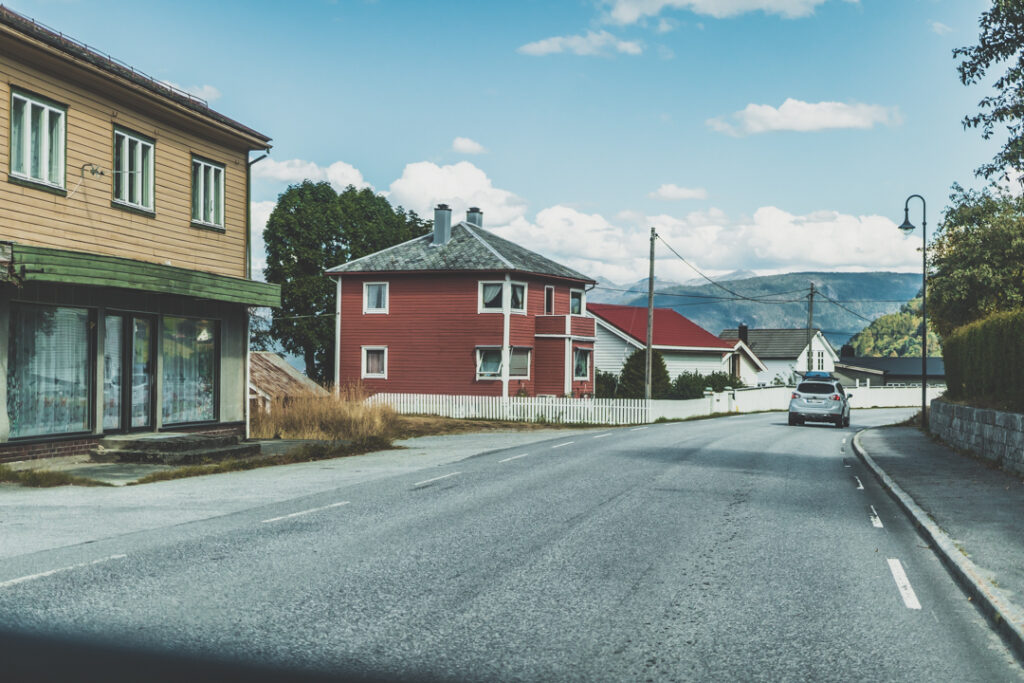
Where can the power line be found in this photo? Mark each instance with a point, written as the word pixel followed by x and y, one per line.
pixel 828 298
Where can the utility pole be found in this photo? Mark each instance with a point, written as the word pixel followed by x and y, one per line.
pixel 810 326
pixel 650 320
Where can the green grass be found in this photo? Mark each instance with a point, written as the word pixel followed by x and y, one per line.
pixel 305 453
pixel 44 478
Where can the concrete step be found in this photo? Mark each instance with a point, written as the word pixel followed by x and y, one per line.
pixel 165 443
pixel 210 449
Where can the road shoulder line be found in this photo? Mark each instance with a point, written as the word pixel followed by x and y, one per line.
pixel 1007 618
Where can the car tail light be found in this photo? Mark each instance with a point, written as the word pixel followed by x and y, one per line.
pixel 795 395
pixel 836 397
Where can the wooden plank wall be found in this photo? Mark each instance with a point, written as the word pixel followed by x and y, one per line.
pixel 85 220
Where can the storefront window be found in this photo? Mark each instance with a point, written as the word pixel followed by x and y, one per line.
pixel 112 363
pixel 48 370
pixel 190 366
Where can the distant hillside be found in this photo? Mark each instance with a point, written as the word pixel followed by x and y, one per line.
pixel 867 294
pixel 896 335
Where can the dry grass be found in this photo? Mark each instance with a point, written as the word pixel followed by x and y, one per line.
pixel 344 415
pixel 44 478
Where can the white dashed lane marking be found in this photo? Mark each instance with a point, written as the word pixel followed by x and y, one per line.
pixel 515 457
pixel 430 481
pixel 860 486
pixel 601 436
pixel 637 429
pixel 563 444
pixel 305 512
pixel 51 572
pixel 876 521
pixel 903 583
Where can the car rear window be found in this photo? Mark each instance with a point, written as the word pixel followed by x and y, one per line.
pixel 815 388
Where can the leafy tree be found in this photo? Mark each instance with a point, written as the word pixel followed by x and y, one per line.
pixel 1001 39
pixel 977 260
pixel 313 228
pixel 896 335
pixel 631 379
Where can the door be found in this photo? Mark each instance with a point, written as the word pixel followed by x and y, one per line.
pixel 128 372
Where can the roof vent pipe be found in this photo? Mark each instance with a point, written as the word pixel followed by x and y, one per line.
pixel 442 225
pixel 475 216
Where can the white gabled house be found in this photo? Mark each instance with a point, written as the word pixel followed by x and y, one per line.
pixel 784 352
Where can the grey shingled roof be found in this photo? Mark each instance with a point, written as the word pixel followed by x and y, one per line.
pixel 768 344
pixel 470 248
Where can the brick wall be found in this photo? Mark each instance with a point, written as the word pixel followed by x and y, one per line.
pixel 990 434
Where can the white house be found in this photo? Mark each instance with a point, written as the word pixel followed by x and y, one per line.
pixel 784 352
pixel 685 346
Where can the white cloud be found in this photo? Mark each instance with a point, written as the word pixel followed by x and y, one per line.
pixel 339 174
pixel 206 92
pixel 594 43
pixel 260 213
pixel 940 28
pixel 672 192
pixel 633 11
pixel 467 146
pixel 795 115
pixel 424 185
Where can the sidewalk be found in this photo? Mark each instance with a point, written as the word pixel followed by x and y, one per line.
pixel 972 514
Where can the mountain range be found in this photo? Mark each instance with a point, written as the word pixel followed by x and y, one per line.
pixel 844 303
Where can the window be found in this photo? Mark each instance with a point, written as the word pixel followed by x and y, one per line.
pixel 518 302
pixel 821 360
pixel 49 370
pixel 549 300
pixel 37 139
pixel 577 302
pixel 490 296
pixel 581 364
pixel 375 362
pixel 190 369
pixel 133 170
pixel 375 297
pixel 519 363
pixel 488 363
pixel 207 193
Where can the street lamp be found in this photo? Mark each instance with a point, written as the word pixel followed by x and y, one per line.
pixel 907 227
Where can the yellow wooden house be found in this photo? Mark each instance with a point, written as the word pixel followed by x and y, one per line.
pixel 124 251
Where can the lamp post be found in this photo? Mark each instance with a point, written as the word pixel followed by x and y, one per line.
pixel 907 227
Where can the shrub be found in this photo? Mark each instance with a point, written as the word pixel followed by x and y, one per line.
pixel 692 384
pixel 984 364
pixel 632 377
pixel 605 384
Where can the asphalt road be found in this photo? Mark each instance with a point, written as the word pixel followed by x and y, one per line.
pixel 730 549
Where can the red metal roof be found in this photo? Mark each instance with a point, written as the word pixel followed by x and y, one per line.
pixel 670 328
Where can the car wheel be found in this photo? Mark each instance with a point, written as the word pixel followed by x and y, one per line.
pixel 846 422
pixel 839 422
pixel 792 420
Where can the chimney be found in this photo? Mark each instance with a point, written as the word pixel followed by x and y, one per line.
pixel 475 216
pixel 743 333
pixel 442 225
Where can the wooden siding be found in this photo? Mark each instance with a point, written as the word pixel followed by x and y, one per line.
pixel 432 330
pixel 84 220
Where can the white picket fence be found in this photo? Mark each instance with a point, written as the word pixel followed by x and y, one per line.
pixel 522 409
pixel 610 411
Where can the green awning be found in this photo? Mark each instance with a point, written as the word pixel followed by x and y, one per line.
pixel 42 264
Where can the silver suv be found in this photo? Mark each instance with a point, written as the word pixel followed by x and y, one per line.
pixel 820 399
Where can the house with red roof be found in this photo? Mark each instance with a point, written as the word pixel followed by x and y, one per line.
pixel 685 346
pixel 461 311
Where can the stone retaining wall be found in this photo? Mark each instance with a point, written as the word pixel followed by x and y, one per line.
pixel 990 434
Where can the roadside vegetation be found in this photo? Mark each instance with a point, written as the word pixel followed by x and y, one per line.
pixel 343 415
pixel 41 478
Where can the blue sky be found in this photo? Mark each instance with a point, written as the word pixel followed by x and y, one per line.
pixel 767 135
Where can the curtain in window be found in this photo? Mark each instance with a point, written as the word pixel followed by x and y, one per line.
pixel 375 361
pixel 112 371
pixel 375 297
pixel 190 370
pixel 581 368
pixel 492 295
pixel 142 372
pixel 36 163
pixel 48 370
pixel 519 363
pixel 576 303
pixel 55 144
pixel 18 136
pixel 518 297
pixel 490 362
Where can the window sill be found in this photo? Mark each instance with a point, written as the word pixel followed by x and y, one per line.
pixel 37 185
pixel 207 226
pixel 128 208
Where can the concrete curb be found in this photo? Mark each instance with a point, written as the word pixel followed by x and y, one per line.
pixel 1007 617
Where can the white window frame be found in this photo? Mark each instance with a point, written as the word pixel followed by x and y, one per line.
pixel 529 360
pixel 363 372
pixel 526 291
pixel 480 350
pixel 210 178
pixel 366 298
pixel 590 363
pixel 549 290
pixel 480 297
pixel 49 110
pixel 142 182
pixel 583 301
pixel 821 360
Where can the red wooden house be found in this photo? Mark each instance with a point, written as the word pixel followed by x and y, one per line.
pixel 462 311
